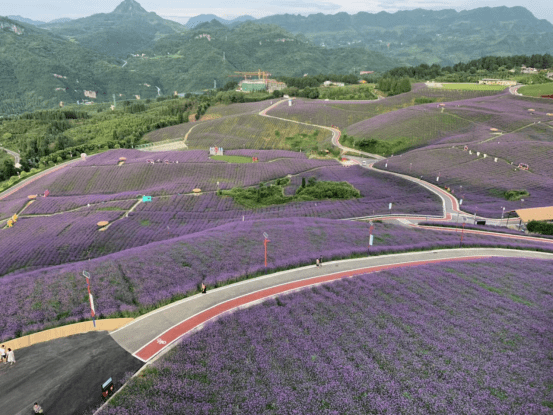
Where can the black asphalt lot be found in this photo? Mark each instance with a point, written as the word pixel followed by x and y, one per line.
pixel 64 375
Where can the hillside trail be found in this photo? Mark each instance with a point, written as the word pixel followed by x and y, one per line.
pixel 336 133
pixel 15 155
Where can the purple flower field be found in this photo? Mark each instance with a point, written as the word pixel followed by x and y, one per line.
pixel 466 338
pixel 346 113
pixel 61 228
pixel 459 121
pixel 123 283
pixel 479 181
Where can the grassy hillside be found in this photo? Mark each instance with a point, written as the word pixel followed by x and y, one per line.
pixel 537 90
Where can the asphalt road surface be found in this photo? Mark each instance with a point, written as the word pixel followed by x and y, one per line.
pixel 64 376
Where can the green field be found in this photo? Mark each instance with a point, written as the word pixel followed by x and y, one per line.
pixel 537 90
pixel 233 159
pixel 474 87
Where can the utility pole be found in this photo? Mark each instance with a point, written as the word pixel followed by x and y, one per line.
pixel 223 56
pixel 215 84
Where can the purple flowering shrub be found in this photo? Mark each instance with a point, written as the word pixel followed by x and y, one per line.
pixel 466 337
pixel 143 278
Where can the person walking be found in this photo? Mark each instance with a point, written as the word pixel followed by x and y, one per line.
pixel 204 288
pixel 3 356
pixel 320 260
pixel 37 408
pixel 11 356
pixel 317 262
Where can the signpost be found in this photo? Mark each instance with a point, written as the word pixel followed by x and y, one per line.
pixel 265 243
pixel 86 274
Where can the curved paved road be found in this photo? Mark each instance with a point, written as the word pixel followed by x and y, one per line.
pixel 155 332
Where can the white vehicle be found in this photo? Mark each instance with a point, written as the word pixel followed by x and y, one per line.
pixel 364 163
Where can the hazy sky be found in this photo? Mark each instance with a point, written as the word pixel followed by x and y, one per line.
pixel 181 11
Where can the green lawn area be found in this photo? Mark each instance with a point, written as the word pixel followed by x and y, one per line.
pixel 474 87
pixel 537 90
pixel 272 193
pixel 233 159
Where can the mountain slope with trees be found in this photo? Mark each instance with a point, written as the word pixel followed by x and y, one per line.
pixel 428 36
pixel 125 30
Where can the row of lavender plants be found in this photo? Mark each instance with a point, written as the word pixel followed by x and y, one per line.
pixel 137 280
pixel 480 182
pixel 472 337
pixel 160 178
pixel 344 113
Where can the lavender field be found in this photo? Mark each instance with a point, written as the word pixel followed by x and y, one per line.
pixel 456 122
pixel 63 227
pixel 123 283
pixel 480 182
pixel 469 337
pixel 344 113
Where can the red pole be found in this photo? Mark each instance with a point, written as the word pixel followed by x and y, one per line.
pixel 91 309
pixel 265 243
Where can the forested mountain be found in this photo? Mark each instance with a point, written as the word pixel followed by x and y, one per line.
pixel 125 30
pixel 213 51
pixel 428 36
pixel 39 69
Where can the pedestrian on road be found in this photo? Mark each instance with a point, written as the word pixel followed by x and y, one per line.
pixel 204 288
pixel 11 356
pixel 37 409
pixel 321 260
pixel 317 262
pixel 3 356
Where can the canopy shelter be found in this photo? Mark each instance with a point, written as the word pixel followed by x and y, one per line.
pixel 541 213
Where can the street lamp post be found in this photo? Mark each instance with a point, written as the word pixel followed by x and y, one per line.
pixel 503 212
pixel 476 210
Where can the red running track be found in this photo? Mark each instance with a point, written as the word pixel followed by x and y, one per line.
pixel 157 345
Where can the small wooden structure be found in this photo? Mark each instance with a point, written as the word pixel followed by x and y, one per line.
pixel 31 197
pixel 102 223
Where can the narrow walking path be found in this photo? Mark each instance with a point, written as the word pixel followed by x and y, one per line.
pixel 336 133
pixel 153 333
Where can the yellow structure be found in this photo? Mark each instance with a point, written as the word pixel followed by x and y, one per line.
pixel 109 324
pixel 541 213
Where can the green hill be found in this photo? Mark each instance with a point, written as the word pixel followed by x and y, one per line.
pixel 125 30
pixel 39 69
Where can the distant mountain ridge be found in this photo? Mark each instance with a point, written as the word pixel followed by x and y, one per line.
pixel 428 36
pixel 203 18
pixel 38 22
